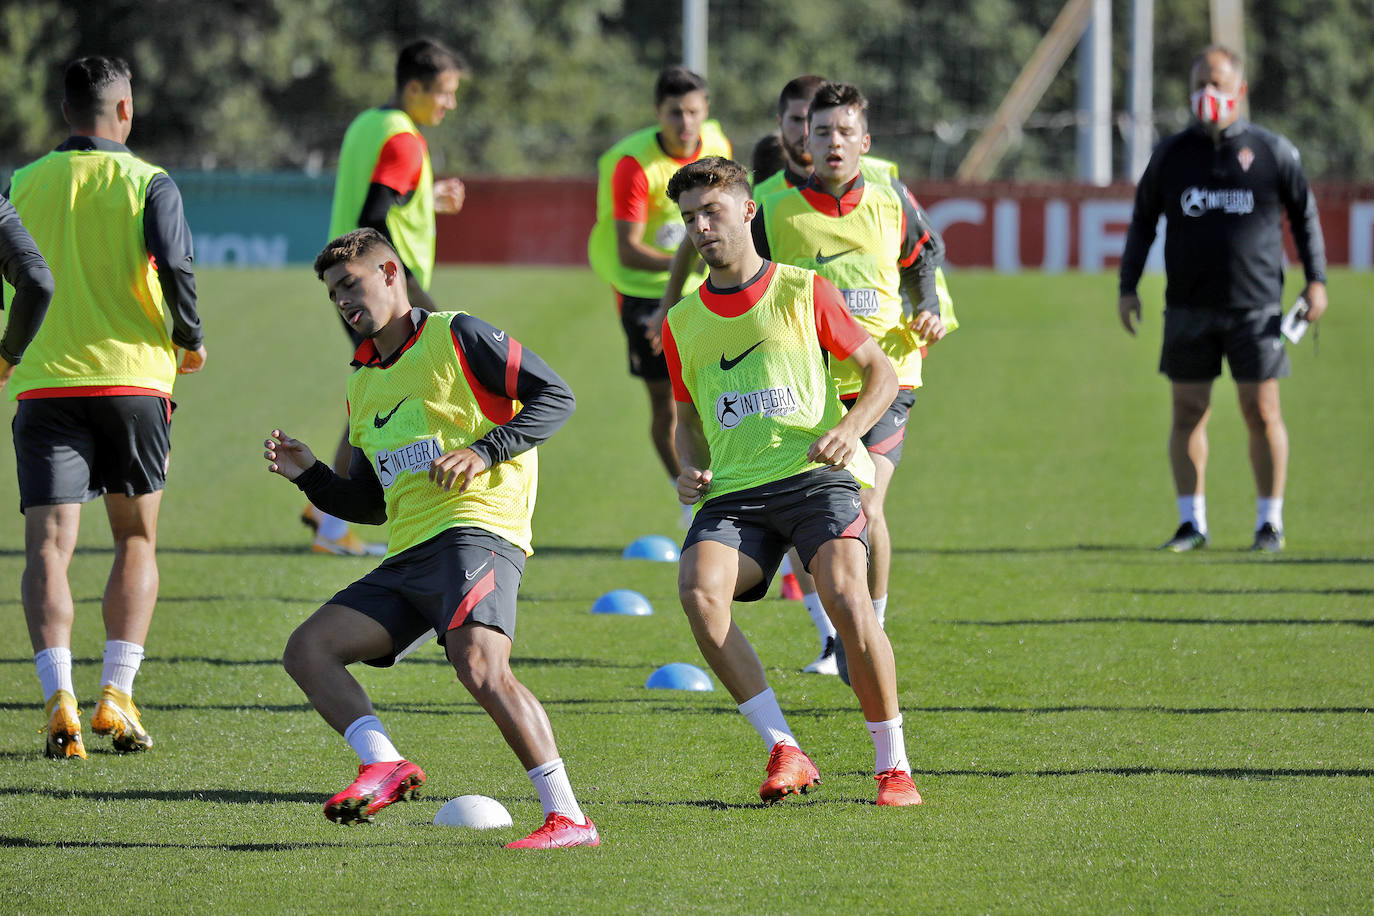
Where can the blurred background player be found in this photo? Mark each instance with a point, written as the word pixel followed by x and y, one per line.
pixel 385 182
pixel 94 388
pixel 1223 185
pixel 776 459
pixel 445 412
pixel 638 229
pixel 869 237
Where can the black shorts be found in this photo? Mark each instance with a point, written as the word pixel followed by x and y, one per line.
pixel 634 320
pixel 888 435
pixel 459 576
pixel 1195 339
pixel 71 450
pixel 804 511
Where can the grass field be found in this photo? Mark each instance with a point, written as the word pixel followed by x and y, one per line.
pixel 1096 727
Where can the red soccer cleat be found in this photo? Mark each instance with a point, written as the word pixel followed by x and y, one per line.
pixel 790 772
pixel 377 785
pixel 790 589
pixel 896 788
pixel 559 831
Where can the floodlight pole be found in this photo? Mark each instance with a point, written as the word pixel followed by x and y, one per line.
pixel 1141 93
pixel 1095 97
pixel 695 19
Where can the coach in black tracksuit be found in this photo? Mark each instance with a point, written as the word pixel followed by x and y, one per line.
pixel 1223 186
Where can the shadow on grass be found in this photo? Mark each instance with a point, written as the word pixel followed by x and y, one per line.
pixel 1234 591
pixel 16 842
pixel 221 796
pixel 1214 772
pixel 710 804
pixel 1198 621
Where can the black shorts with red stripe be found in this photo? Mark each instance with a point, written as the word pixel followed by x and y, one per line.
pixel 888 435
pixel 806 510
pixel 460 576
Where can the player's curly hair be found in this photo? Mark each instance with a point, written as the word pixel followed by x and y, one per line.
pixel 838 95
pixel 351 247
pixel 711 172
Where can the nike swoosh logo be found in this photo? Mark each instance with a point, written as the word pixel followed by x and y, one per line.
pixel 899 422
pixel 498 336
pixel 751 507
pixel 379 421
pixel 728 364
pixel 827 258
pixel 472 575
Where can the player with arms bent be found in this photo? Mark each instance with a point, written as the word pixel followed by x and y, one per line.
pixel 764 442
pixel 440 449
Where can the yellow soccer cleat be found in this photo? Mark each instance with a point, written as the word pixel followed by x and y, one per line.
pixel 64 727
pixel 117 716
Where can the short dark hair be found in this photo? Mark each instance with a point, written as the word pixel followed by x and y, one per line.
pixel 802 88
pixel 711 172
pixel 350 247
pixel 767 159
pixel 1200 58
pixel 424 60
pixel 87 83
pixel 838 95
pixel 673 81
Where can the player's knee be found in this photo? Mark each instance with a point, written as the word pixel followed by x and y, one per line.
pixel 298 655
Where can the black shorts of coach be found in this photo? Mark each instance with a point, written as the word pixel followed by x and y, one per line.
pixel 635 314
pixel 459 576
pixel 1196 340
pixel 806 510
pixel 72 450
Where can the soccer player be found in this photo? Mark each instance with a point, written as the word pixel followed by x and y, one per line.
pixel 1223 186
pixel 385 182
pixel 637 229
pixel 445 413
pixel 865 233
pixel 773 459
pixel 94 389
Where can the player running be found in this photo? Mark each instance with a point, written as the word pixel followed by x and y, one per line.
pixel 774 460
pixel 867 235
pixel 445 412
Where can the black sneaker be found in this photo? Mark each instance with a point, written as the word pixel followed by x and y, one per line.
pixel 1268 538
pixel 1187 537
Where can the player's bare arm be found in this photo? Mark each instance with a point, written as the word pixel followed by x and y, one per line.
pixel 840 444
pixel 693 454
pixel 286 456
pixel 685 260
pixel 460 466
pixel 632 250
pixel 1128 307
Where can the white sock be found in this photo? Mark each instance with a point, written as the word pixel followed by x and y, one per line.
pixel 880 608
pixel 824 628
pixel 1269 509
pixel 1193 509
pixel 121 665
pixel 330 528
pixel 889 747
pixel 555 792
pixel 54 671
pixel 786 567
pixel 765 715
pixel 370 741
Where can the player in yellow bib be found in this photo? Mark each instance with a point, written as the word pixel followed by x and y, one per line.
pixel 385 182
pixel 865 233
pixel 638 229
pixel 773 459
pixel 445 412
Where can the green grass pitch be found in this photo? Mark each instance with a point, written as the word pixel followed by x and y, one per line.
pixel 1096 727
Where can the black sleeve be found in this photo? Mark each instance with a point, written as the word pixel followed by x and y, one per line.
pixel 1144 223
pixel 380 199
pixel 1301 207
pixel 496 361
pixel 169 242
pixel 23 267
pixel 760 232
pixel 356 498
pixel 922 251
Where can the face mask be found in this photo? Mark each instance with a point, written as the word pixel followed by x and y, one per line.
pixel 1211 106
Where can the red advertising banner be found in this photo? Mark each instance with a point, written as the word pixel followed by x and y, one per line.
pixel 1008 227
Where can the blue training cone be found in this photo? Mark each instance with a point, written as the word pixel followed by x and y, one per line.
pixel 623 601
pixel 652 547
pixel 680 676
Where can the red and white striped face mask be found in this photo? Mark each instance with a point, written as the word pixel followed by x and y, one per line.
pixel 1212 106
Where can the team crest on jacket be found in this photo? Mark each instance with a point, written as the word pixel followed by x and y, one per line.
pixel 1246 156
